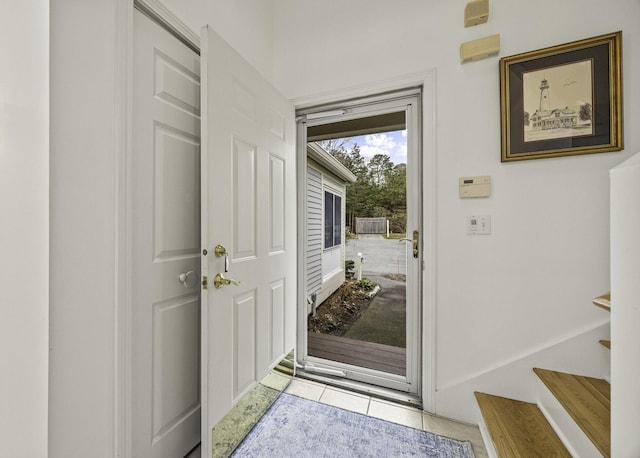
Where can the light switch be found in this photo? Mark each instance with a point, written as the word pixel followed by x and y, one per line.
pixel 479 225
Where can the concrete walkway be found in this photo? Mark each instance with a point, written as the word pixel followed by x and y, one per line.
pixel 385 320
pixel 382 256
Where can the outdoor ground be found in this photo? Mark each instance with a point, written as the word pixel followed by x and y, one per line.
pixel 381 256
pixel 336 314
pixel 351 313
pixel 385 320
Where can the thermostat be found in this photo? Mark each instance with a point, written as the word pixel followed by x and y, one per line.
pixel 474 186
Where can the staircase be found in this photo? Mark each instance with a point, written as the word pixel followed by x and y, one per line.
pixel 522 429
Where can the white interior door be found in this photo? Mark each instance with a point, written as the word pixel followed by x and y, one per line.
pixel 249 208
pixel 165 244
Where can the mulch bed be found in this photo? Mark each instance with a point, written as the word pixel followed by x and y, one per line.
pixel 342 308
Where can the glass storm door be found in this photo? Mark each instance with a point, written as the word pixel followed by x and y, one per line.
pixel 360 216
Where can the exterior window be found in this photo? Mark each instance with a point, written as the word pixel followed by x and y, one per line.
pixel 332 220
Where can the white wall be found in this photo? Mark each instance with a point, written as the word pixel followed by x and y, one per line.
pixel 24 230
pixel 247 25
pixel 83 222
pixel 531 282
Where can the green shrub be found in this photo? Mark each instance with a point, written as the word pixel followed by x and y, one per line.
pixel 349 268
pixel 367 284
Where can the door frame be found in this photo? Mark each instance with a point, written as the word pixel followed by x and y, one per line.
pixel 123 135
pixel 427 80
pixel 406 387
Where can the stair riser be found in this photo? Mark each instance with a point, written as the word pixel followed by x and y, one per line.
pixel 486 437
pixel 571 435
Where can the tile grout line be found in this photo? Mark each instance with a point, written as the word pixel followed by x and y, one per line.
pixel 324 390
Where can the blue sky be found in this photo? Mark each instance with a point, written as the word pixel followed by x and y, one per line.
pixel 393 144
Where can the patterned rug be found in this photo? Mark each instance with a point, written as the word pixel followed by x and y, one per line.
pixel 296 427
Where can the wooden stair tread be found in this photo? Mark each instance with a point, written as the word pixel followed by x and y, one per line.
pixel 605 343
pixel 518 428
pixel 604 301
pixel 587 400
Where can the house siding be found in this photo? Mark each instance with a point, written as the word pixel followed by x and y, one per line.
pixel 314 230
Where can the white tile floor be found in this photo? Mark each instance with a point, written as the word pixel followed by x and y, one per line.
pixel 385 410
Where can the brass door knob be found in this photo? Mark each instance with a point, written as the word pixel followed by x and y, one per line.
pixel 219 281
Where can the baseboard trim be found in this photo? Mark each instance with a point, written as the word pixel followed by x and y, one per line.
pixel 486 438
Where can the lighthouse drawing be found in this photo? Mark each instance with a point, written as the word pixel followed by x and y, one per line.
pixel 544 95
pixel 553 98
pixel 546 118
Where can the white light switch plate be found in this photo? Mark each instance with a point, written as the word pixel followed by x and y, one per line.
pixel 479 225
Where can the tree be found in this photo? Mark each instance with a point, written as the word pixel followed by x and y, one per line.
pixel 380 166
pixel 335 144
pixel 393 195
pixel 361 195
pixel 585 112
pixel 526 118
pixel 380 187
pixel 351 159
pixel 393 198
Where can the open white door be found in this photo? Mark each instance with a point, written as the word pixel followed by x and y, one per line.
pixel 249 208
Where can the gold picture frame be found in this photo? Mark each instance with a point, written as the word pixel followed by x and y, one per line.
pixel 563 100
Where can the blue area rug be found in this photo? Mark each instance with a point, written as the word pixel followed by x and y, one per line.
pixel 296 427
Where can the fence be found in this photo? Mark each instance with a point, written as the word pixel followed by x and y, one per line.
pixel 371 225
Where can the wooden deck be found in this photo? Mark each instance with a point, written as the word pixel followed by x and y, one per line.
pixel 371 355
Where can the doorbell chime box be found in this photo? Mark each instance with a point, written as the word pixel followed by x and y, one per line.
pixel 476 12
pixel 480 48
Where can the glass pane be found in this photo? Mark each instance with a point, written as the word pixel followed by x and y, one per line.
pixel 328 219
pixel 337 220
pixel 363 321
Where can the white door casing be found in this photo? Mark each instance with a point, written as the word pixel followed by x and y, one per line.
pixel 427 80
pixel 249 207
pixel 165 176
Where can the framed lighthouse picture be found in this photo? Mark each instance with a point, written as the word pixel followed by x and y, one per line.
pixel 563 100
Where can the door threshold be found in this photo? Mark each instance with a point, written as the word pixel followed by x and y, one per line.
pixel 386 394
